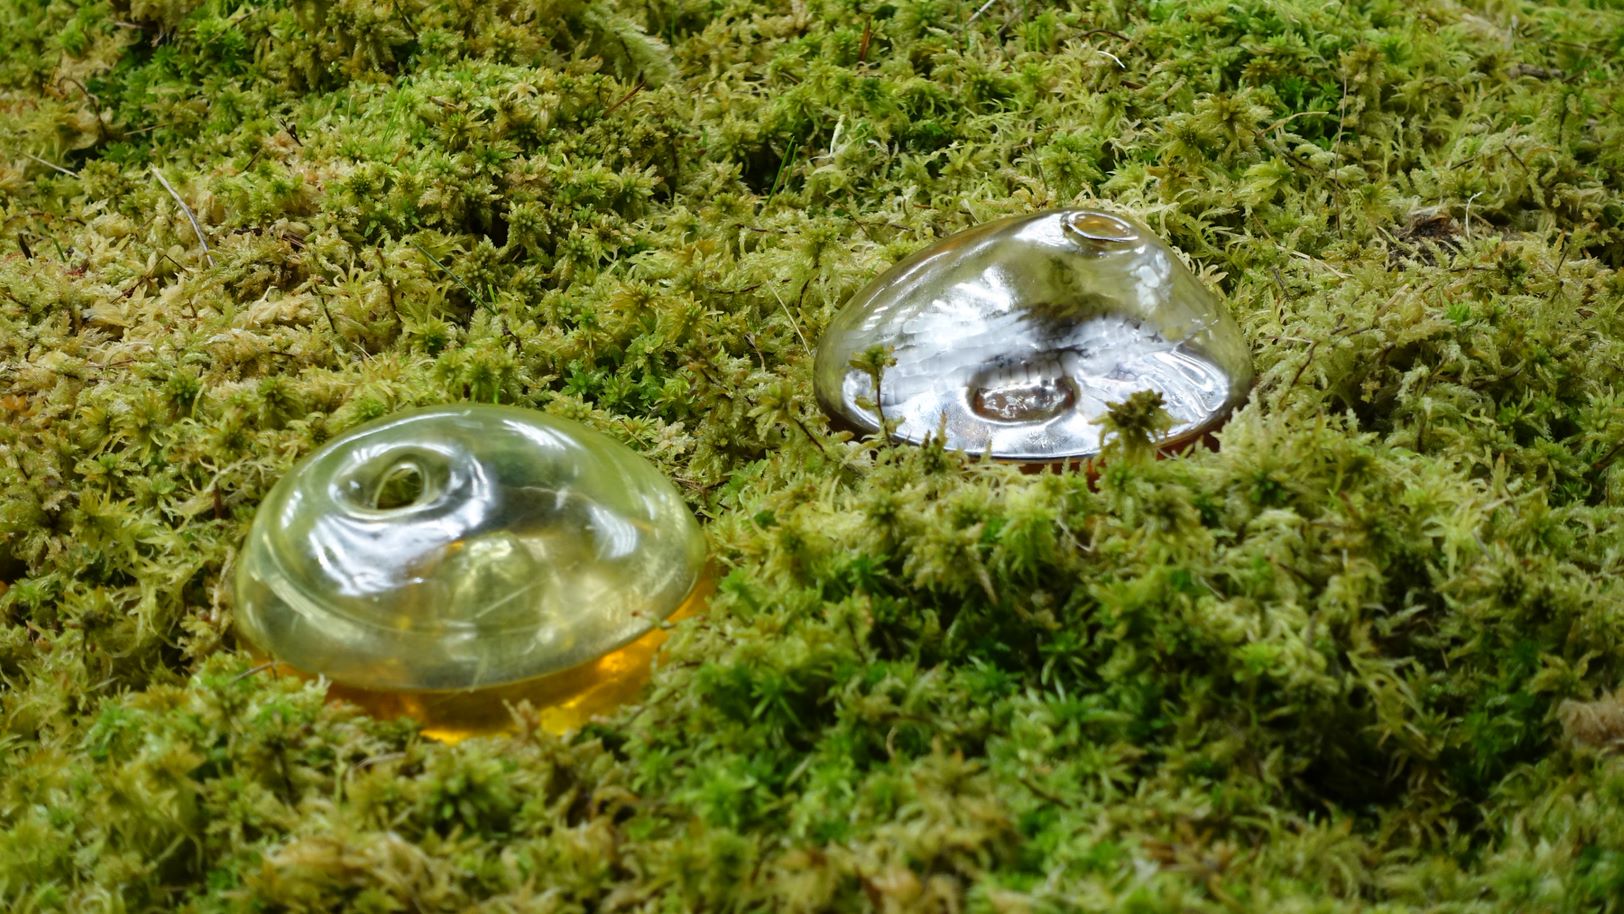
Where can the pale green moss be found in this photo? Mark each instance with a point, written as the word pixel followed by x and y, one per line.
pixel 1360 657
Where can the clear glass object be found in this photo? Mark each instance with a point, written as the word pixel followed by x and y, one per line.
pixel 449 562
pixel 1011 338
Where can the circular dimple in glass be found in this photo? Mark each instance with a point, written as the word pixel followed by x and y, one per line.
pixel 467 551
pixel 1013 338
pixel 400 478
pixel 1101 230
pixel 1020 391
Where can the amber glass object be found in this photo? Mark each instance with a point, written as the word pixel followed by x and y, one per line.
pixel 449 563
pixel 1012 337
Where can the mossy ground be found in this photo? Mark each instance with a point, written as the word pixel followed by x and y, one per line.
pixel 1359 657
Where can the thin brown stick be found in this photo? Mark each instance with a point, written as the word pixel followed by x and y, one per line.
pixel 624 99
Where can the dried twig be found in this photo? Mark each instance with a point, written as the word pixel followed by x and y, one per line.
pixel 255 670
pixel 51 165
pixel 477 298
pixel 977 15
pixel 793 325
pixel 624 99
pixel 188 211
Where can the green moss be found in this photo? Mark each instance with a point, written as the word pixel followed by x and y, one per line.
pixel 1365 654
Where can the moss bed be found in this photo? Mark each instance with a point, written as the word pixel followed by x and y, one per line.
pixel 1363 655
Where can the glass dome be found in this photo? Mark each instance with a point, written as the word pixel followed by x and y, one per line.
pixel 1011 338
pixel 439 557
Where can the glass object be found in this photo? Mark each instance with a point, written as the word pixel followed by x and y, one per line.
pixel 1011 337
pixel 448 562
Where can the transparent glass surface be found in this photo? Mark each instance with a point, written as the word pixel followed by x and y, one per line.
pixel 460 548
pixel 1012 337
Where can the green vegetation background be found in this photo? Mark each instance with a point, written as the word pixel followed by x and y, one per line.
pixel 1364 656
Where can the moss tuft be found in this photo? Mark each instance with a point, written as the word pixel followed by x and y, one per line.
pixel 1365 653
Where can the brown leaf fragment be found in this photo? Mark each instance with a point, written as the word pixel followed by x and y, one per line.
pixel 1595 724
